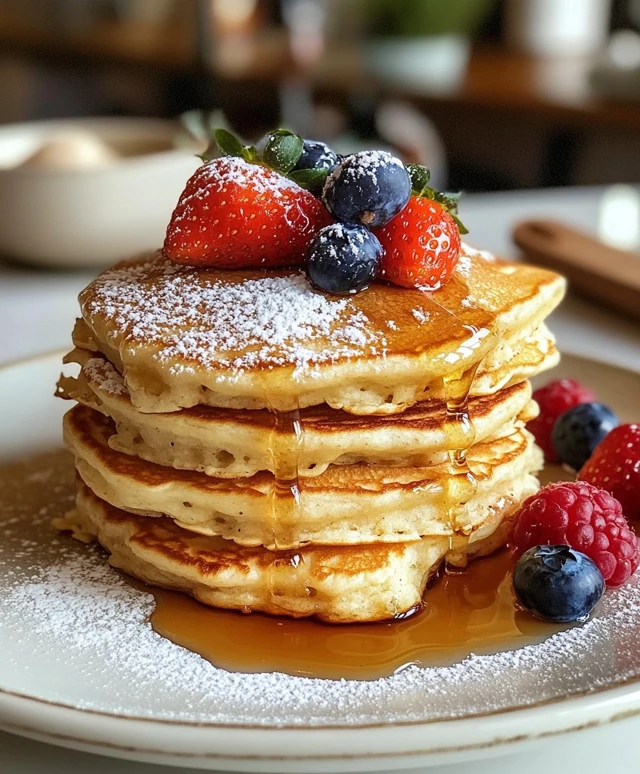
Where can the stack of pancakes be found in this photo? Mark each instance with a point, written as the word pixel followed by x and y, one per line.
pixel 266 447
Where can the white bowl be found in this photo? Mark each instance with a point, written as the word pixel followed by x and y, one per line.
pixel 90 217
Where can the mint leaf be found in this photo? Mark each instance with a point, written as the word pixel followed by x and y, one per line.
pixel 420 177
pixel 461 227
pixel 228 143
pixel 250 154
pixel 448 200
pixel 283 150
pixel 311 179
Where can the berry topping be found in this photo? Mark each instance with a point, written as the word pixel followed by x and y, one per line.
pixel 578 431
pixel 554 399
pixel 615 466
pixel 343 258
pixel 235 214
pixel 258 209
pixel 583 517
pixel 317 155
pixel 368 188
pixel 421 245
pixel 241 211
pixel 557 583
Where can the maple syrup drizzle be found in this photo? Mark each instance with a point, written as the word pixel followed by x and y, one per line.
pixel 283 502
pixel 459 431
pixel 470 611
pixel 284 505
pixel 461 483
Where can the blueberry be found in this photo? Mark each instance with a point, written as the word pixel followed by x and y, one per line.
pixel 578 431
pixel 317 155
pixel 557 583
pixel 343 258
pixel 368 188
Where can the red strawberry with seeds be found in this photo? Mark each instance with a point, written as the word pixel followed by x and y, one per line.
pixel 615 466
pixel 235 214
pixel 421 245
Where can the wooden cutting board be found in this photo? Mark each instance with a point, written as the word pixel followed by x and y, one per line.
pixel 594 269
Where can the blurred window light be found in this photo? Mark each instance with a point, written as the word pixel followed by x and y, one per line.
pixel 303 14
pixel 624 49
pixel 233 13
pixel 619 217
pixel 305 20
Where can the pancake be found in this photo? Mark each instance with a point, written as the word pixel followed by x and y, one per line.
pixel 185 336
pixel 237 444
pixel 349 504
pixel 336 584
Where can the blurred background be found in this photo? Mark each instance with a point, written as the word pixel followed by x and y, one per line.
pixel 530 107
pixel 492 94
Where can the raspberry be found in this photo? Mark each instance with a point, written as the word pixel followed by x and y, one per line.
pixel 554 399
pixel 583 517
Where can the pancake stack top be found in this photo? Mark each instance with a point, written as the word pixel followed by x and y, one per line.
pixel 264 446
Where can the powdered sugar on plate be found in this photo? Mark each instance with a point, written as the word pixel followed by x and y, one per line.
pixel 203 322
pixel 75 632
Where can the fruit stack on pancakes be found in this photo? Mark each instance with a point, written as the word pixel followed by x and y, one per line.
pixel 314 395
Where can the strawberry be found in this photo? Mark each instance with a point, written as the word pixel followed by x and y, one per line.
pixel 237 212
pixel 421 245
pixel 615 466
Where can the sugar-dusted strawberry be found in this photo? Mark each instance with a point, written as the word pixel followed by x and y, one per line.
pixel 422 243
pixel 615 466
pixel 237 212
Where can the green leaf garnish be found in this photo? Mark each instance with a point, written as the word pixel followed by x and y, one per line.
pixel 449 201
pixel 283 150
pixel 228 143
pixel 420 187
pixel 250 154
pixel 461 227
pixel 311 179
pixel 419 178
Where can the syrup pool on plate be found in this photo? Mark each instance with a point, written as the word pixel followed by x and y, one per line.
pixel 471 611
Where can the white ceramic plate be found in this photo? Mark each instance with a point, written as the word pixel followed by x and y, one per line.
pixel 80 667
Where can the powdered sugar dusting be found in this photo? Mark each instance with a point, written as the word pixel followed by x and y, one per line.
pixel 218 174
pixel 105 375
pixel 420 315
pixel 64 610
pixel 268 321
pixel 473 252
pixel 465 263
pixel 364 166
